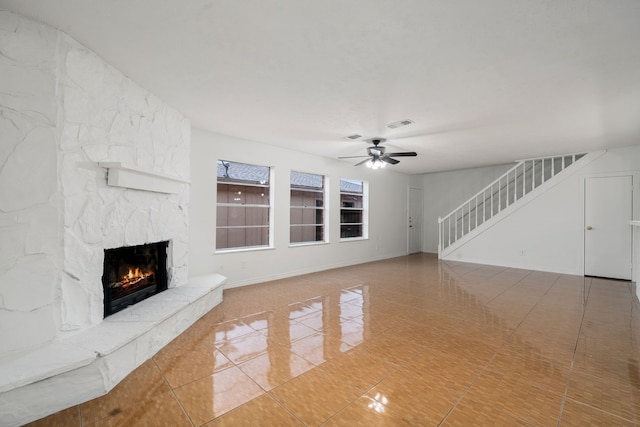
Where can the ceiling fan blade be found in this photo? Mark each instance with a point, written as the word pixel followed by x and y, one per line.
pixel 389 160
pixel 359 163
pixel 403 154
pixel 352 157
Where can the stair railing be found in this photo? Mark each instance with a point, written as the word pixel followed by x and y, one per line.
pixel 514 184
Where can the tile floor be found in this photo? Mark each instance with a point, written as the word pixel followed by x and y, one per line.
pixel 406 341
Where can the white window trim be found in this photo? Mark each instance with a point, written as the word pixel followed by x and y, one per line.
pixel 325 211
pixel 271 208
pixel 365 211
pixel 294 245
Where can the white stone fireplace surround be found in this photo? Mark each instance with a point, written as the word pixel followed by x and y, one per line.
pixel 89 161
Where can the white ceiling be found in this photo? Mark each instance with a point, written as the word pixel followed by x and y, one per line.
pixel 486 82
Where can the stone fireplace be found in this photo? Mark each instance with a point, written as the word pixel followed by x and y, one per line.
pixel 89 162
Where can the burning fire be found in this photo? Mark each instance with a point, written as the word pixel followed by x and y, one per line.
pixel 133 276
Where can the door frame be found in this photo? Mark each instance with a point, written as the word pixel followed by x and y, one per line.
pixel 635 208
pixel 421 234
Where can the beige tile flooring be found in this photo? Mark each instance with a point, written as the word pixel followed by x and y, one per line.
pixel 405 341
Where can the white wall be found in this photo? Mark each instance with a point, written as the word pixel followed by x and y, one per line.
pixel 549 229
pixel 387 213
pixel 445 191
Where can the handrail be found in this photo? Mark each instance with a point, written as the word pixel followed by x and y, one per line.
pixel 508 191
pixel 497 180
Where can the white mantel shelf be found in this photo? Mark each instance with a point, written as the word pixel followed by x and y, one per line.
pixel 129 176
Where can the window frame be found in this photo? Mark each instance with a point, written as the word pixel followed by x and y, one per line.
pixel 325 210
pixel 270 208
pixel 364 209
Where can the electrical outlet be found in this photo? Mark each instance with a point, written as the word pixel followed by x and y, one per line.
pixel 523 252
pixel 243 265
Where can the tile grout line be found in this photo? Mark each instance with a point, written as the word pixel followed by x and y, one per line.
pixel 565 397
pixel 575 349
pixel 81 423
pixel 133 404
pixel 364 394
pixel 499 348
pixel 291 379
pixel 236 365
pixel 173 393
pixel 269 392
pixel 629 420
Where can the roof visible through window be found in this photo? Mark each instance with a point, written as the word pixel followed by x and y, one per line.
pixel 242 172
pixel 350 185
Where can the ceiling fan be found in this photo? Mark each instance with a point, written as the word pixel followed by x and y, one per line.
pixel 377 157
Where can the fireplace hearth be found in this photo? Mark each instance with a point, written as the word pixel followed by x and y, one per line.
pixel 132 274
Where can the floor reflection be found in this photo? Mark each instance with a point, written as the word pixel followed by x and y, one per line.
pixel 405 341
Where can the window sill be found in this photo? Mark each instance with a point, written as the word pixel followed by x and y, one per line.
pixel 295 245
pixel 352 239
pixel 248 249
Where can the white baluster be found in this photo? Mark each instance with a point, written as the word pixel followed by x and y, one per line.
pixel 440 235
pixel 456 227
pixel 476 226
pixel 508 193
pixel 484 206
pixel 499 197
pixel 491 196
pixel 533 175
pixel 524 171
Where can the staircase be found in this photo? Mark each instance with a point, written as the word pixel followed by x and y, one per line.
pixel 488 204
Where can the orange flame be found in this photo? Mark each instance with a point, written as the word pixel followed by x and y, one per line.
pixel 134 276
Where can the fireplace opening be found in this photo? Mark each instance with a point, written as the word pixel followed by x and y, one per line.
pixel 132 274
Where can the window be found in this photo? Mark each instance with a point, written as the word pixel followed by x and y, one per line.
pixel 307 208
pixel 243 214
pixel 352 209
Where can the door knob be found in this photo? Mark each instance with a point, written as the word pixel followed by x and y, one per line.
pixel 589 227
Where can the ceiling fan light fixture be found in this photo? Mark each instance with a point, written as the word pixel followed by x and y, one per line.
pixel 399 124
pixel 375 164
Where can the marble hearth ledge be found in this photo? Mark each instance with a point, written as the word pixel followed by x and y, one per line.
pixel 84 366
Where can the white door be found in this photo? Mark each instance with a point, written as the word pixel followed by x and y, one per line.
pixel 415 220
pixel 607 234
